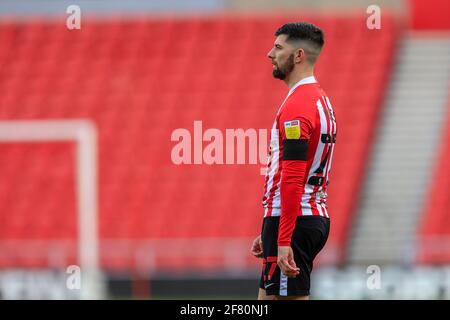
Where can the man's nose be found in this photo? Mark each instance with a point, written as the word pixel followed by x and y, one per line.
pixel 270 55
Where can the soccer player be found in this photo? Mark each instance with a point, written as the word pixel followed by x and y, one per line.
pixel 296 222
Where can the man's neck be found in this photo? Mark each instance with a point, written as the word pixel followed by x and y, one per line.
pixel 294 78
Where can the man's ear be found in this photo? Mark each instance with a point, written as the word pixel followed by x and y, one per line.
pixel 299 55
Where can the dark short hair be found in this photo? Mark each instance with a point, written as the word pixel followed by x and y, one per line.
pixel 306 32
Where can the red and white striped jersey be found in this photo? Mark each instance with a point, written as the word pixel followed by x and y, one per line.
pixel 306 114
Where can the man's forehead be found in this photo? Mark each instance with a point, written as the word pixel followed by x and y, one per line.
pixel 281 39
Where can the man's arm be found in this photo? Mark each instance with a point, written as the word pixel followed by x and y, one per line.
pixel 293 176
pixel 296 128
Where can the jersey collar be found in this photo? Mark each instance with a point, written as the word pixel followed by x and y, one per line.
pixel 306 80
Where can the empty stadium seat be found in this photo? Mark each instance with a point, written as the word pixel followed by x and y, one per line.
pixel 433 241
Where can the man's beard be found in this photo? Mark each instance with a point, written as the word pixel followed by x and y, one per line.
pixel 278 74
pixel 282 72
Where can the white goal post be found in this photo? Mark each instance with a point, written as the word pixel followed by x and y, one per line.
pixel 84 134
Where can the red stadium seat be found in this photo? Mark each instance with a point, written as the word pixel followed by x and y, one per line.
pixel 434 230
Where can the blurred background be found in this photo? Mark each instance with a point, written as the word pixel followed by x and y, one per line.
pixel 90 97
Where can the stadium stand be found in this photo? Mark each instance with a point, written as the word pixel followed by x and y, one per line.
pixel 139 80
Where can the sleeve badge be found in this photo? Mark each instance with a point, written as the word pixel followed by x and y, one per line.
pixel 292 129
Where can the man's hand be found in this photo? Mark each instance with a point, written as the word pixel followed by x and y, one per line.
pixel 257 248
pixel 286 262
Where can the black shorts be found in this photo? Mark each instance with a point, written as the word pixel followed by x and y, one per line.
pixel 309 237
